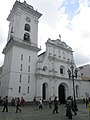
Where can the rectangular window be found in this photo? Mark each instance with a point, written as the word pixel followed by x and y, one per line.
pixel 20 79
pixel 21 57
pixel 59 54
pixel 19 89
pixel 29 58
pixel 61 70
pixel 21 67
pixel 29 68
pixel 28 89
pixel 28 78
pixel 63 55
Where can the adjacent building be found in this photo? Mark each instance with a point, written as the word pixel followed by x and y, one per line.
pixel 85 74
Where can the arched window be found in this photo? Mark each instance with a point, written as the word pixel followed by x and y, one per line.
pixel 27 37
pixel 27 27
pixel 62 70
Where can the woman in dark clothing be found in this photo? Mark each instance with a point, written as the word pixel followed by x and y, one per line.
pixel 17 105
pixel 50 103
pixel 68 108
pixel 5 103
pixel 55 105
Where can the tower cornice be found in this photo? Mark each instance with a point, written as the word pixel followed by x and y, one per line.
pixel 15 42
pixel 23 6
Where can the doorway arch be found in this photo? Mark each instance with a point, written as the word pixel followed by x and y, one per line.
pixel 44 91
pixel 61 94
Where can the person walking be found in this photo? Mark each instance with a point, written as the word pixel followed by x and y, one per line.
pixel 13 102
pixel 17 105
pixel 72 106
pixel 55 105
pixel 50 103
pixel 5 103
pixel 22 101
pixel 34 101
pixel 40 104
pixel 0 100
pixel 89 106
pixel 86 102
pixel 68 108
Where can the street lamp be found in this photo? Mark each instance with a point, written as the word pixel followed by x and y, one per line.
pixel 73 74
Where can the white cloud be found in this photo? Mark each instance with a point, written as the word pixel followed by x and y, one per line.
pixel 79 37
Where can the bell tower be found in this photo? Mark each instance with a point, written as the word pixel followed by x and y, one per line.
pixel 21 52
pixel 23 23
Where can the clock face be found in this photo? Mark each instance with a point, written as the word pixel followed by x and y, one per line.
pixel 28 19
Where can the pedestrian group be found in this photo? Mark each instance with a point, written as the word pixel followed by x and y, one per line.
pixel 70 109
pixel 17 102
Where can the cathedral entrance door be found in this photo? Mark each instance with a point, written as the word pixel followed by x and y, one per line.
pixel 61 94
pixel 44 91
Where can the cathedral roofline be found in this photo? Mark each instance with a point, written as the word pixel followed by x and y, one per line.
pixel 24 6
pixel 59 43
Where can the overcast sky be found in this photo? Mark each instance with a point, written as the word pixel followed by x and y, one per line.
pixel 69 18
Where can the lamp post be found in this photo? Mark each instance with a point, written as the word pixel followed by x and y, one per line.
pixel 73 74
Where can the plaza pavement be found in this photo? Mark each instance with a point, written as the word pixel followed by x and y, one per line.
pixel 33 113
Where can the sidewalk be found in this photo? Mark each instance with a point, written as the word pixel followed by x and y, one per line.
pixel 33 113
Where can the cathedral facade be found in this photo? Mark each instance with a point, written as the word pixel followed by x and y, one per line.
pixel 27 74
